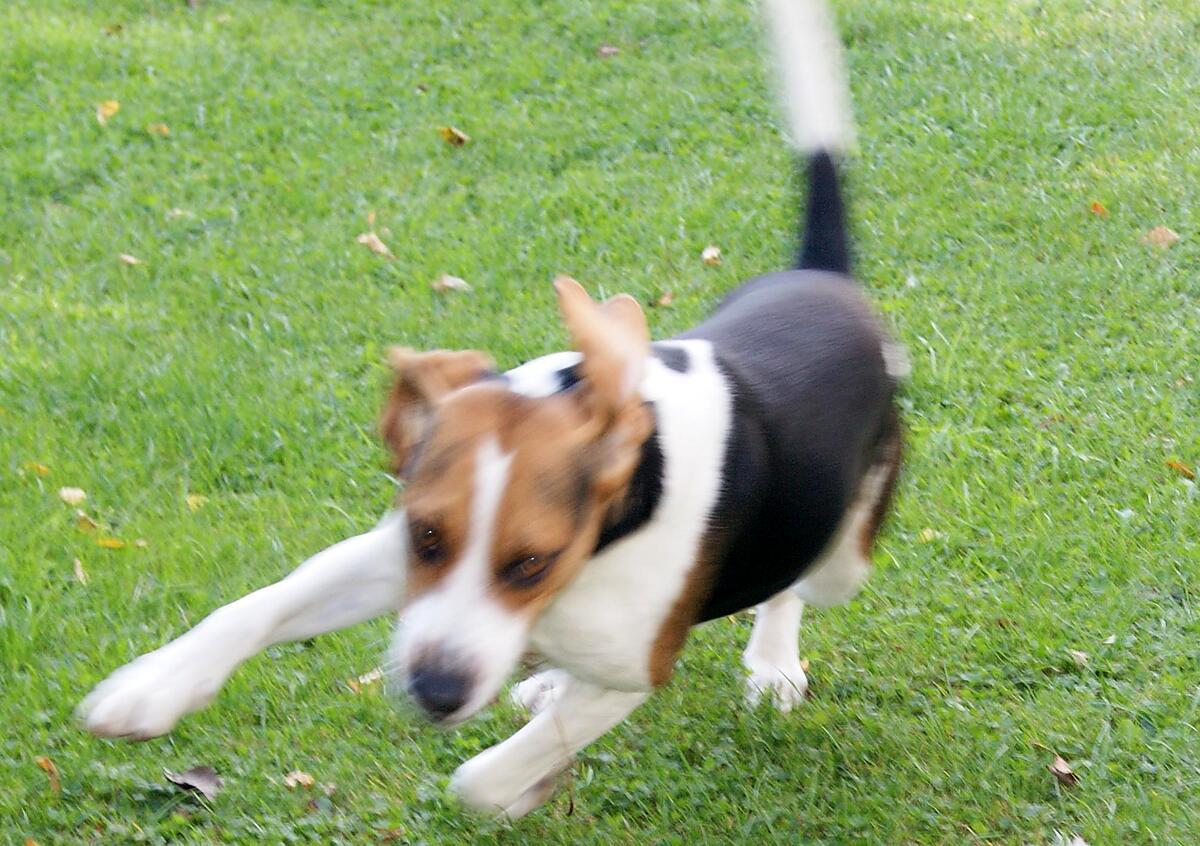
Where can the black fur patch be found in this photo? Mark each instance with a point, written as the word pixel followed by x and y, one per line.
pixel 673 357
pixel 645 491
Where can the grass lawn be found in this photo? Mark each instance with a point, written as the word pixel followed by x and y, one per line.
pixel 241 361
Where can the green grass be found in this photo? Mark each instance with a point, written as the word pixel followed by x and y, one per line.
pixel 1053 356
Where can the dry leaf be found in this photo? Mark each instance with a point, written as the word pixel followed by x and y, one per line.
pixel 132 261
pixel 1182 469
pixel 105 109
pixel 367 678
pixel 40 469
pixel 1110 640
pixel 81 575
pixel 114 29
pixel 298 778
pixel 1098 209
pixel 29 841
pixel 371 241
pixel 1080 658
pixel 176 213
pixel 804 664
pixel 663 300
pixel 928 535
pixel 711 255
pixel 84 523
pixel 607 51
pixel 1161 237
pixel 52 771
pixel 72 496
pixel 195 502
pixel 140 543
pixel 110 543
pixel 1062 771
pixel 446 282
pixel 453 136
pixel 203 780
pixel 159 129
pixel 371 219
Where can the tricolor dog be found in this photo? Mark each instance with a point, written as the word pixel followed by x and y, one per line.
pixel 590 507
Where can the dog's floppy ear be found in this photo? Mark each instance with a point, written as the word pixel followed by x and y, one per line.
pixel 422 379
pixel 615 342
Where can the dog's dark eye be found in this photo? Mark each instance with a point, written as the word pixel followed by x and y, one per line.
pixel 526 570
pixel 426 543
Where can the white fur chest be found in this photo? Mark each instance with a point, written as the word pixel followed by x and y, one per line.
pixel 602 628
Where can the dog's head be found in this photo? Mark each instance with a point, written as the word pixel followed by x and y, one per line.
pixel 505 495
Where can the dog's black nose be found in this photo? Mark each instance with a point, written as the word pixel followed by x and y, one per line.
pixel 439 692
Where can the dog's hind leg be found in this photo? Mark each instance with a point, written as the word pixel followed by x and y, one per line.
pixel 355 580
pixel 772 656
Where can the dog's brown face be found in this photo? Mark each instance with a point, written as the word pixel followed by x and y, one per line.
pixel 505 495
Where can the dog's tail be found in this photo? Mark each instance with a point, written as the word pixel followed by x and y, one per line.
pixel 817 103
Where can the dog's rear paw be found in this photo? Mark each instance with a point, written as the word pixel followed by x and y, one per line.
pixel 539 690
pixel 148 696
pixel 783 688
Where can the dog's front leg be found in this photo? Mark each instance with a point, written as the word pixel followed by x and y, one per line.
pixel 360 578
pixel 516 776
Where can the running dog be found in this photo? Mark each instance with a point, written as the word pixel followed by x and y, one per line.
pixel 590 507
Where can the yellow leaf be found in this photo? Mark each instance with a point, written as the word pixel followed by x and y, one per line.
pixel 127 259
pixel 72 496
pixel 1182 469
pixel 52 771
pixel 40 469
pixel 159 129
pixel 195 502
pixel 105 109
pixel 711 255
pixel 110 543
pixel 81 575
pixel 84 523
pixel 453 136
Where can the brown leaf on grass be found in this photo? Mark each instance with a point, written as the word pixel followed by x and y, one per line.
pixel 203 780
pixel 29 841
pixel 105 110
pixel 663 300
pixel 804 665
pixel 35 467
pixel 371 241
pixel 1080 658
pixel 371 219
pixel 1098 209
pixel 446 282
pixel 1182 469
pixel 1062 771
pixel 81 575
pixel 711 255
pixel 1161 237
pixel 72 496
pixel 159 129
pixel 195 501
pixel 85 523
pixel 298 778
pixel 110 543
pixel 114 29
pixel 453 136
pixel 127 259
pixel 51 771
pixel 607 51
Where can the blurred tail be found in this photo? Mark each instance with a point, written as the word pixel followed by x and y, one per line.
pixel 817 103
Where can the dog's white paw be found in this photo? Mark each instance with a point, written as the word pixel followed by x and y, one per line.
pixel 486 786
pixel 783 687
pixel 539 690
pixel 149 695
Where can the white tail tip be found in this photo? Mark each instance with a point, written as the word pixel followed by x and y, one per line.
pixel 813 76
